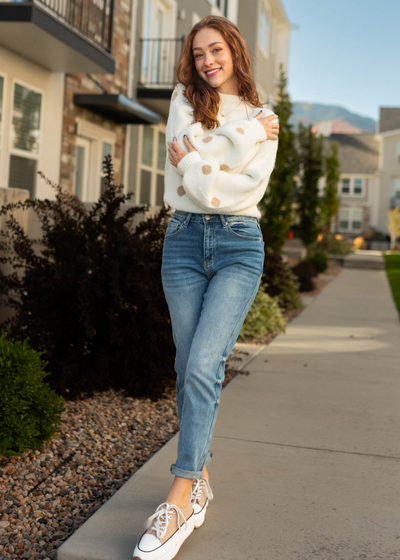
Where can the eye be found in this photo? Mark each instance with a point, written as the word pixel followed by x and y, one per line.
pixel 215 50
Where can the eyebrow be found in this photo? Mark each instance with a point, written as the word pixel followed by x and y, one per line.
pixel 210 45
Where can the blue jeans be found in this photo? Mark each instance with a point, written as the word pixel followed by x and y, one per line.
pixel 211 270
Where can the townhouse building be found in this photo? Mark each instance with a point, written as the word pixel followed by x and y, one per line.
pixel 370 176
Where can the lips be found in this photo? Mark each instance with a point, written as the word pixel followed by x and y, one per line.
pixel 213 71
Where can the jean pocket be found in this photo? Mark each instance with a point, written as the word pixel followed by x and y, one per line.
pixel 245 229
pixel 174 227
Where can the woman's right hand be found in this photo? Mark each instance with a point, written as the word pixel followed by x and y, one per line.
pixel 271 129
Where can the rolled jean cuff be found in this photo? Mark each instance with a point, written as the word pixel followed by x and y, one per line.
pixel 176 471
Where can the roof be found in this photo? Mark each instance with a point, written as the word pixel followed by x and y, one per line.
pixel 117 107
pixel 389 119
pixel 358 153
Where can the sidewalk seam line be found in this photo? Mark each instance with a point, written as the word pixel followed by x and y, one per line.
pixel 312 448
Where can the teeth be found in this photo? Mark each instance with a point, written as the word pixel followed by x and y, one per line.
pixel 211 72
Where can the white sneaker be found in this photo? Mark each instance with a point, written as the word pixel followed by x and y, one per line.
pixel 200 495
pixel 166 530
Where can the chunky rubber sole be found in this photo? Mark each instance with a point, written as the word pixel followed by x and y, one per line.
pixel 200 517
pixel 174 552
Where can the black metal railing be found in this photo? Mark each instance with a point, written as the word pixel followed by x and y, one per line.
pixel 158 60
pixel 91 18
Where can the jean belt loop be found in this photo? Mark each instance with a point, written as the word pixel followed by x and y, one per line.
pixel 187 219
pixel 223 220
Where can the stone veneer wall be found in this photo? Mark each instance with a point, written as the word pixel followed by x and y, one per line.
pixel 113 83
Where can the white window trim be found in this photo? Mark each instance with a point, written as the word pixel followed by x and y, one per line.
pixel 3 153
pixel 169 8
pixel 350 229
pixel 268 9
pixel 15 151
pixel 352 186
pixel 153 169
pixel 97 135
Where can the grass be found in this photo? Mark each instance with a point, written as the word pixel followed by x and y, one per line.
pixel 392 263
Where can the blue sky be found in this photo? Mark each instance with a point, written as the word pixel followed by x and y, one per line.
pixel 346 53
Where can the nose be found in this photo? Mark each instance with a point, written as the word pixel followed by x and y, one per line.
pixel 208 60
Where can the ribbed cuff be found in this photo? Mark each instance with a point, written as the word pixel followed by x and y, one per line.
pixel 188 161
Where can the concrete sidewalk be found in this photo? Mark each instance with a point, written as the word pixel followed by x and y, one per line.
pixel 306 448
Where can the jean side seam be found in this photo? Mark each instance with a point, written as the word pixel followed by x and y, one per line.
pixel 224 352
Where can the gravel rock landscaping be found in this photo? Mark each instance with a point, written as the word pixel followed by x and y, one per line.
pixel 46 494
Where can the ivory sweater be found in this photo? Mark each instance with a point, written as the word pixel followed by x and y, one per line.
pixel 230 169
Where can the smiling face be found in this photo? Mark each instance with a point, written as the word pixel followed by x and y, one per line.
pixel 213 60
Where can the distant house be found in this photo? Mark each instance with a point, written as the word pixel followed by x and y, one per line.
pixel 370 176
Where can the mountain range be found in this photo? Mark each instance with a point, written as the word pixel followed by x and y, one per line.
pixel 330 119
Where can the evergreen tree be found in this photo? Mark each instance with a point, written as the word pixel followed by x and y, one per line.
pixel 311 170
pixel 330 201
pixel 276 205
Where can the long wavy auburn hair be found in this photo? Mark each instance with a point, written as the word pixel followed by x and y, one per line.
pixel 204 98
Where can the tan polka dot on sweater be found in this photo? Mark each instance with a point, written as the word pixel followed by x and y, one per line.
pixel 207 139
pixel 181 191
pixel 174 95
pixel 206 169
pixel 240 130
pixel 224 167
pixel 215 202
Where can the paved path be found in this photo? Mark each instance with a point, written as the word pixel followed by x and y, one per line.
pixel 306 448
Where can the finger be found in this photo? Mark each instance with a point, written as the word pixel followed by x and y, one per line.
pixel 271 117
pixel 188 143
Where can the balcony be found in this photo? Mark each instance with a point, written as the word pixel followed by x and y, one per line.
pixel 157 74
pixel 60 35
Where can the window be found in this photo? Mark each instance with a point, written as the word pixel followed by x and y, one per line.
pixel 395 194
pixel 352 187
pixel 343 219
pixel 263 28
pixel 93 143
pixel 350 219
pixel 222 5
pixel 357 189
pixel 345 186
pixel 106 150
pixel 356 218
pixel 1 112
pixel 152 166
pixel 25 138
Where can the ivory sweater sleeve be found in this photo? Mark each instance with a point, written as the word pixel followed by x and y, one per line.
pixel 229 169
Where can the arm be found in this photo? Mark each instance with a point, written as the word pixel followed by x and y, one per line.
pixel 235 142
pixel 210 187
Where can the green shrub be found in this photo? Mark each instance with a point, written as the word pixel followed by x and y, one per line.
pixel 332 246
pixel 319 260
pixel 264 316
pixel 30 412
pixel 279 281
pixel 305 272
pixel 92 296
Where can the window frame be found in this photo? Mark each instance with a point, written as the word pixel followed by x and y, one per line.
pixel 350 220
pixel 15 151
pixel 352 186
pixel 2 123
pixel 157 129
pixel 96 135
pixel 267 32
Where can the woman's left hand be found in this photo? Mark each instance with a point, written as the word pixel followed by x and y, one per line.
pixel 176 153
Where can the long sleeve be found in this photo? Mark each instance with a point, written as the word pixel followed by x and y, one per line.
pixel 233 143
pixel 209 187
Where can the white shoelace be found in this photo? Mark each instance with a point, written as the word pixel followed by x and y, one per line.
pixel 161 517
pixel 198 486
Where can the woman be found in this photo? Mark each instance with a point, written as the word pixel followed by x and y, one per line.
pixel 221 153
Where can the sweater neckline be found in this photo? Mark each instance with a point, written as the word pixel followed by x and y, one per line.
pixel 229 102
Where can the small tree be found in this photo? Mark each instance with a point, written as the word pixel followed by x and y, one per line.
pixel 394 225
pixel 276 205
pixel 311 163
pixel 330 201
